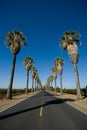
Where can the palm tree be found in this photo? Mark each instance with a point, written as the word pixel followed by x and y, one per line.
pixel 47 84
pixel 54 72
pixel 14 40
pixel 59 62
pixel 33 72
pixel 49 80
pixel 37 81
pixel 39 84
pixel 69 43
pixel 28 61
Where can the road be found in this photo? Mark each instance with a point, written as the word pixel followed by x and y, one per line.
pixel 42 112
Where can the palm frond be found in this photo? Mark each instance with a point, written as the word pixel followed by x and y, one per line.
pixel 15 36
pixel 58 61
pixel 28 59
pixel 68 38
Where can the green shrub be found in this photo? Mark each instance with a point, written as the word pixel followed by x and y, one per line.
pixel 58 89
pixel 84 91
pixel 69 91
pixel 3 91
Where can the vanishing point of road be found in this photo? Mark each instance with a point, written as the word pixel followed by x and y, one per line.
pixel 42 112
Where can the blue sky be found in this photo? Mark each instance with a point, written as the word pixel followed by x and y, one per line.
pixel 43 23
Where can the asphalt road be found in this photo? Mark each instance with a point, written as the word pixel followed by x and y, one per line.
pixel 42 112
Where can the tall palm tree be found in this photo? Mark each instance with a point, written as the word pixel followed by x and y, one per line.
pixel 39 84
pixel 47 84
pixel 14 40
pixel 28 61
pixel 59 62
pixel 54 73
pixel 33 72
pixel 69 42
pixel 37 81
pixel 49 80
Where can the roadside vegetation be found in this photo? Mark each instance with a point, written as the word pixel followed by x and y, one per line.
pixel 15 92
pixel 71 91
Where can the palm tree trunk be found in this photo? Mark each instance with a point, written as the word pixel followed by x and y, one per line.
pixel 61 84
pixel 77 82
pixel 27 82
pixel 35 85
pixel 9 91
pixel 32 84
pixel 55 84
pixel 51 83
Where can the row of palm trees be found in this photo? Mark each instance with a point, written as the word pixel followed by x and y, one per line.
pixel 15 40
pixel 58 68
pixel 69 42
pixel 28 61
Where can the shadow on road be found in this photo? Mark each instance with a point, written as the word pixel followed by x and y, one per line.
pixel 51 102
pixel 18 112
pixel 58 101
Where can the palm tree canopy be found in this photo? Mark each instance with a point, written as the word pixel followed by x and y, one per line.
pixel 69 37
pixel 59 61
pixel 28 61
pixel 14 40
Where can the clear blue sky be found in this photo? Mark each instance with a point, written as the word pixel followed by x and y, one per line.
pixel 43 23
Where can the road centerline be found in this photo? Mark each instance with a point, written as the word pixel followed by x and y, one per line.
pixel 41 111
